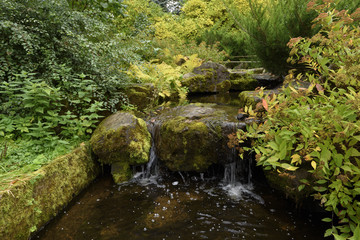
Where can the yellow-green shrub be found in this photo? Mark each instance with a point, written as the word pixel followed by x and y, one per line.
pixel 165 77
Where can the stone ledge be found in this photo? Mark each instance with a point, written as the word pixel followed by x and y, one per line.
pixel 31 202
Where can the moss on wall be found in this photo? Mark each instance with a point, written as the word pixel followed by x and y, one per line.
pixel 33 200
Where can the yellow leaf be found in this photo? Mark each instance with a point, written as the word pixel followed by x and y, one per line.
pixel 296 159
pixel 178 83
pixel 308 158
pixel 166 92
pixel 313 164
pixel 293 89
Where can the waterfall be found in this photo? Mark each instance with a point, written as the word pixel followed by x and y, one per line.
pixel 149 172
pixel 230 173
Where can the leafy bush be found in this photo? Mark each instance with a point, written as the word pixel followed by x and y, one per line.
pixel 229 40
pixel 169 49
pixel 62 63
pixel 58 43
pixel 166 78
pixel 318 128
pixel 270 25
pixel 332 55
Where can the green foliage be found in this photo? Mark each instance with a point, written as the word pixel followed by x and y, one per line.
pixel 318 128
pixel 270 25
pixel 59 43
pixel 166 78
pixel 115 7
pixel 332 55
pixel 170 48
pixel 232 42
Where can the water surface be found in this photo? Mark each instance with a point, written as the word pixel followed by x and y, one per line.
pixel 173 208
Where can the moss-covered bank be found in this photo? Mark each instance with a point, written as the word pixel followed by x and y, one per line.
pixel 33 200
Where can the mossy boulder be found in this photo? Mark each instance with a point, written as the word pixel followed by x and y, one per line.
pixel 209 77
pixel 141 95
pixel 195 136
pixel 30 201
pixel 121 140
pixel 251 98
pixel 244 83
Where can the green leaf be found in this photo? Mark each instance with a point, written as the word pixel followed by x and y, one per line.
pixel 326 220
pixel 299 147
pixel 288 167
pixel 325 155
pixel 355 152
pixel 283 150
pixel 356 235
pixel 338 237
pixel 273 145
pixel 301 187
pixel 322 181
pixel 320 189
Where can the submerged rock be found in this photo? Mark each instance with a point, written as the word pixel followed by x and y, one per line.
pixel 209 77
pixel 121 140
pixel 195 136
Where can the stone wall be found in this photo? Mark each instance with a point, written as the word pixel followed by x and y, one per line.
pixel 30 202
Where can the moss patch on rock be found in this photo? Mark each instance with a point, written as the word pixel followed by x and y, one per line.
pixel 184 147
pixel 244 83
pixel 30 202
pixel 142 95
pixel 209 77
pixel 195 136
pixel 248 98
pixel 123 139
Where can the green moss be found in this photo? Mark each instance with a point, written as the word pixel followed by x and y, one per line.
pixel 122 138
pixel 120 172
pixel 244 83
pixel 248 98
pixel 224 86
pixel 142 96
pixel 206 82
pixel 185 145
pixel 28 203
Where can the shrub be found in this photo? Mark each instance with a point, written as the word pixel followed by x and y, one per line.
pixel 318 128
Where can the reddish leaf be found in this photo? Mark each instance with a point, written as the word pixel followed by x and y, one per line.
pixel 319 88
pixel 265 105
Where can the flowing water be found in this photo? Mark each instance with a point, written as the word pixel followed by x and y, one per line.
pixel 223 203
pixel 179 206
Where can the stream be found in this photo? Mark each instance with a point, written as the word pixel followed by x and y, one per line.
pixel 230 201
pixel 180 206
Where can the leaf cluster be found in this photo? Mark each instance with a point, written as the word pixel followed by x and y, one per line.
pixel 318 128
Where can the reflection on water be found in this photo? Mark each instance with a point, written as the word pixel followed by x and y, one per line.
pixel 168 208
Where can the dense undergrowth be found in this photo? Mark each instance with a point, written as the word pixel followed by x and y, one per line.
pixel 318 128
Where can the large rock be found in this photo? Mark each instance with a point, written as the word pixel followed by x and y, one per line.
pixel 142 95
pixel 249 79
pixel 195 136
pixel 209 77
pixel 244 83
pixel 121 140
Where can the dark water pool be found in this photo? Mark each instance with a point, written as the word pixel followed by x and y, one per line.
pixel 170 208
